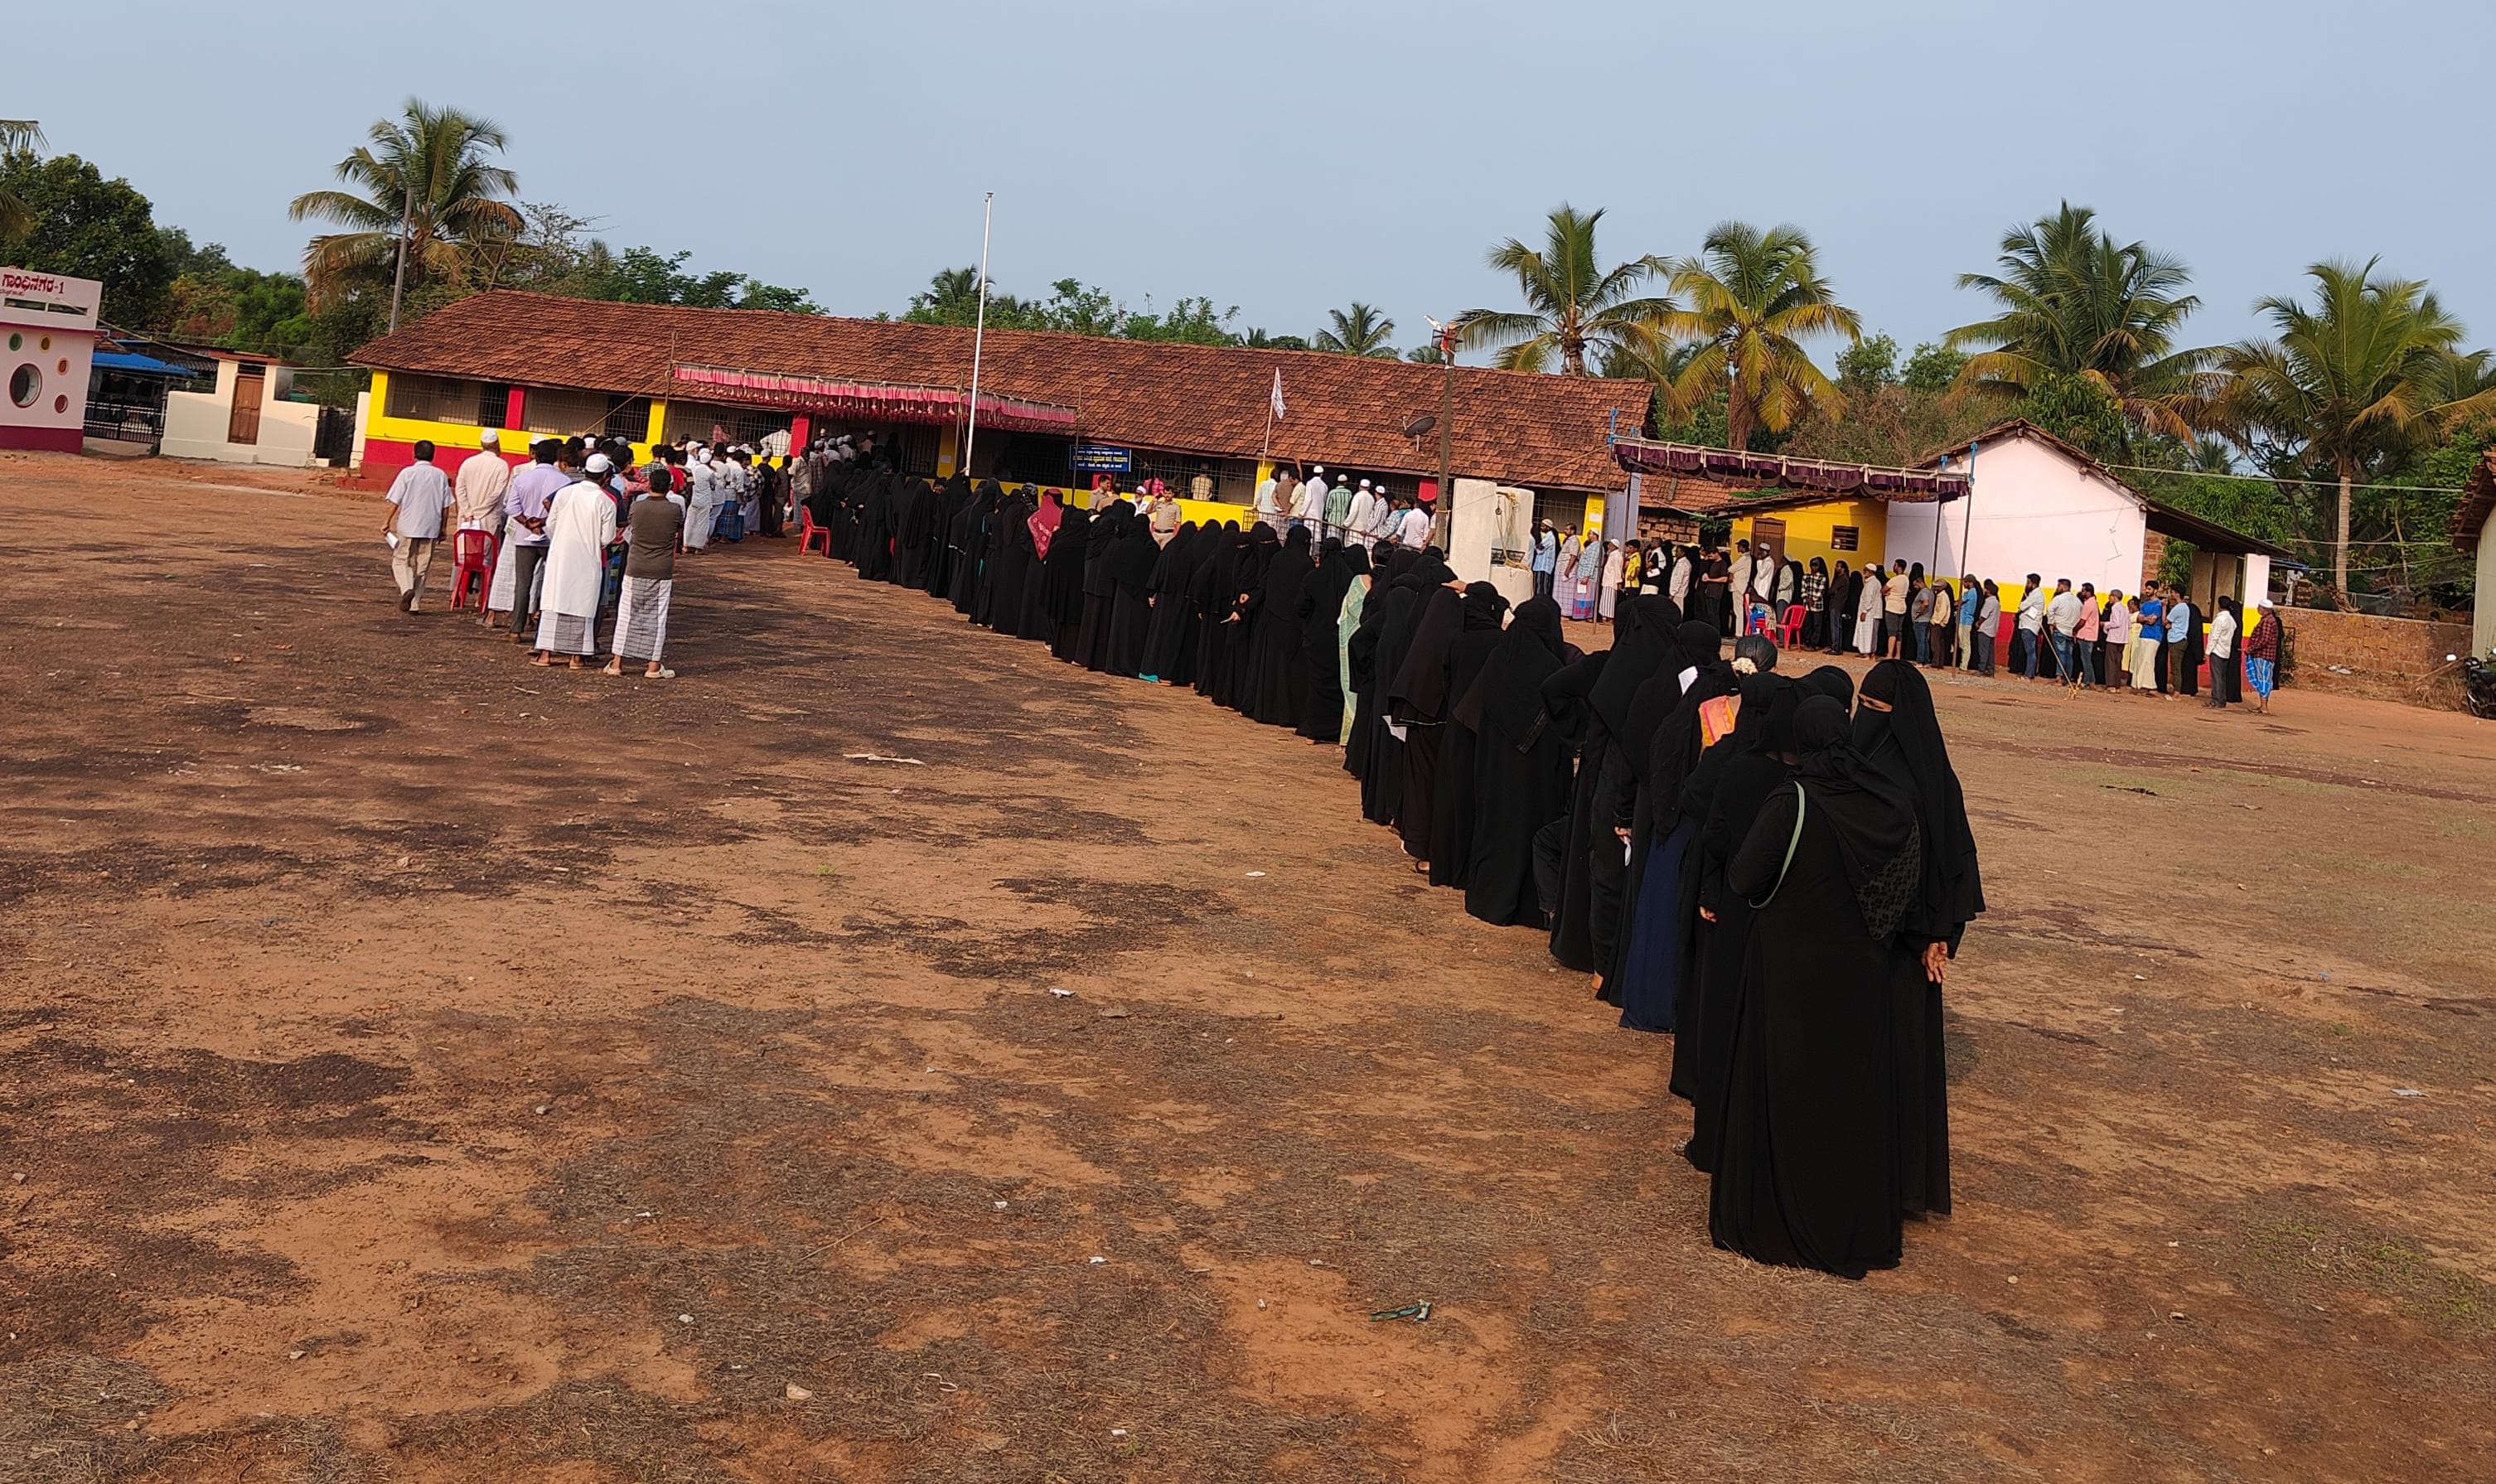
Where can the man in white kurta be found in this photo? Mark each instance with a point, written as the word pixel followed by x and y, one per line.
pixel 1361 515
pixel 581 525
pixel 702 501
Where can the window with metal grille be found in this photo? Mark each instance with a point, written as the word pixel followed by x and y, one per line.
pixel 493 402
pixel 433 398
pixel 1845 537
pixel 564 412
pixel 703 420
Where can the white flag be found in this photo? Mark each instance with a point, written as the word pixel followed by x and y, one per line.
pixel 1278 394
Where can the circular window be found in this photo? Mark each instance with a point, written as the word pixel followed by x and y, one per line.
pixel 61 367
pixel 15 341
pixel 48 342
pixel 25 384
pixel 61 403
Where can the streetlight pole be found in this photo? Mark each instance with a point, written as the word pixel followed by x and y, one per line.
pixel 1446 432
pixel 979 334
pixel 398 282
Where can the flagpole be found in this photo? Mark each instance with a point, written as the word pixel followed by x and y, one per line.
pixel 979 334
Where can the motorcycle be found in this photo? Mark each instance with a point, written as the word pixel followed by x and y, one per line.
pixel 2478 683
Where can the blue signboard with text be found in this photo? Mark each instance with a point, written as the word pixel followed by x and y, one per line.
pixel 1100 458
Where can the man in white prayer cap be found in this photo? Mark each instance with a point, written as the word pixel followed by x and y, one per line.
pixel 1361 516
pixel 581 525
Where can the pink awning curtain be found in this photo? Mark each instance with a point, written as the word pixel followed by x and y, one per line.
pixel 877 401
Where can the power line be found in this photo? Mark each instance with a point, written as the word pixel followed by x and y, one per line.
pixel 2263 479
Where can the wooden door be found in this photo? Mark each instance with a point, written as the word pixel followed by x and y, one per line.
pixel 1769 536
pixel 243 424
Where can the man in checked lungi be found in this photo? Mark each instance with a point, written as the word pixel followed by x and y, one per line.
pixel 649 578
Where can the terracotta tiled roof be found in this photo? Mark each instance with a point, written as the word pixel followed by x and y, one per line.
pixel 1538 431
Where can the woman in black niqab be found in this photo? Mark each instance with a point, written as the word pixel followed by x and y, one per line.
pixel 1655 950
pixel 1131 569
pixel 1453 804
pixel 1278 680
pixel 966 542
pixel 1417 699
pixel 1233 678
pixel 1168 625
pixel 1520 765
pixel 1108 527
pixel 1725 792
pixel 1017 560
pixel 1808 1175
pixel 1644 645
pixel 1319 644
pixel 1206 594
pixel 1062 580
pixel 1897 732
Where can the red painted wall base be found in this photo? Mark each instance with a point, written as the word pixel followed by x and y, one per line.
pixel 51 439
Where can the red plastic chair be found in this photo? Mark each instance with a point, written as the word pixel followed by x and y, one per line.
pixel 808 531
pixel 471 554
pixel 1790 632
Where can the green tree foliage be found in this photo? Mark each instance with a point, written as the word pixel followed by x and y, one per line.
pixel 85 226
pixel 1359 330
pixel 1933 369
pixel 1263 340
pixel 216 302
pixel 2346 390
pixel 1753 298
pixel 1573 305
pixel 429 169
pixel 1868 363
pixel 2080 412
pixel 17 136
pixel 2070 302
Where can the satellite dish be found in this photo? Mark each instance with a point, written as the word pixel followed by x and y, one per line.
pixel 1421 426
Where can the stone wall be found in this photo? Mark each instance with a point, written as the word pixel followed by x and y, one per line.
pixel 2388 658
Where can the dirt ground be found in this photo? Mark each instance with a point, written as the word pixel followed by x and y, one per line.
pixel 885 1054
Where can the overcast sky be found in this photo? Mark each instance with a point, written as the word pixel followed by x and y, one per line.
pixel 1287 156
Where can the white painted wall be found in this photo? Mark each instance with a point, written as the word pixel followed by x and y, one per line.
pixel 2033 508
pixel 1487 516
pixel 196 422
pixel 2483 618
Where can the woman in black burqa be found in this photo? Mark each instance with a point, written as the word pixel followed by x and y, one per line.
pixel 1130 602
pixel 1453 805
pixel 1653 948
pixel 1062 581
pixel 1382 781
pixel 1017 560
pixel 1807 1176
pixel 1520 765
pixel 1641 647
pixel 1108 527
pixel 1418 700
pixel 1360 667
pixel 1561 857
pixel 1277 680
pixel 1206 594
pixel 1234 680
pixel 1723 794
pixel 1034 621
pixel 951 497
pixel 1897 732
pixel 1319 645
pixel 966 536
pixel 1168 634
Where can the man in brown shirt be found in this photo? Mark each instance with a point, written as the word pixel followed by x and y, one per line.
pixel 649 578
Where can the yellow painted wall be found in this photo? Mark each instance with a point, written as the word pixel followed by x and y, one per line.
pixel 1808 529
pixel 465 436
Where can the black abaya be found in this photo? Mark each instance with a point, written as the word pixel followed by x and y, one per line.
pixel 1520 765
pixel 1277 679
pixel 1131 570
pixel 1452 806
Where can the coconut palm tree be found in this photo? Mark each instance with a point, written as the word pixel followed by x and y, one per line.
pixel 1360 330
pixel 2074 302
pixel 17 135
pixel 1753 298
pixel 428 170
pixel 1571 304
pixel 2350 381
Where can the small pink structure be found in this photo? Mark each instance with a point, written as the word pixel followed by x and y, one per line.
pixel 48 333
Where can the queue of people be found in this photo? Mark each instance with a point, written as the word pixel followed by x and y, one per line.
pixel 582 537
pixel 1771 869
